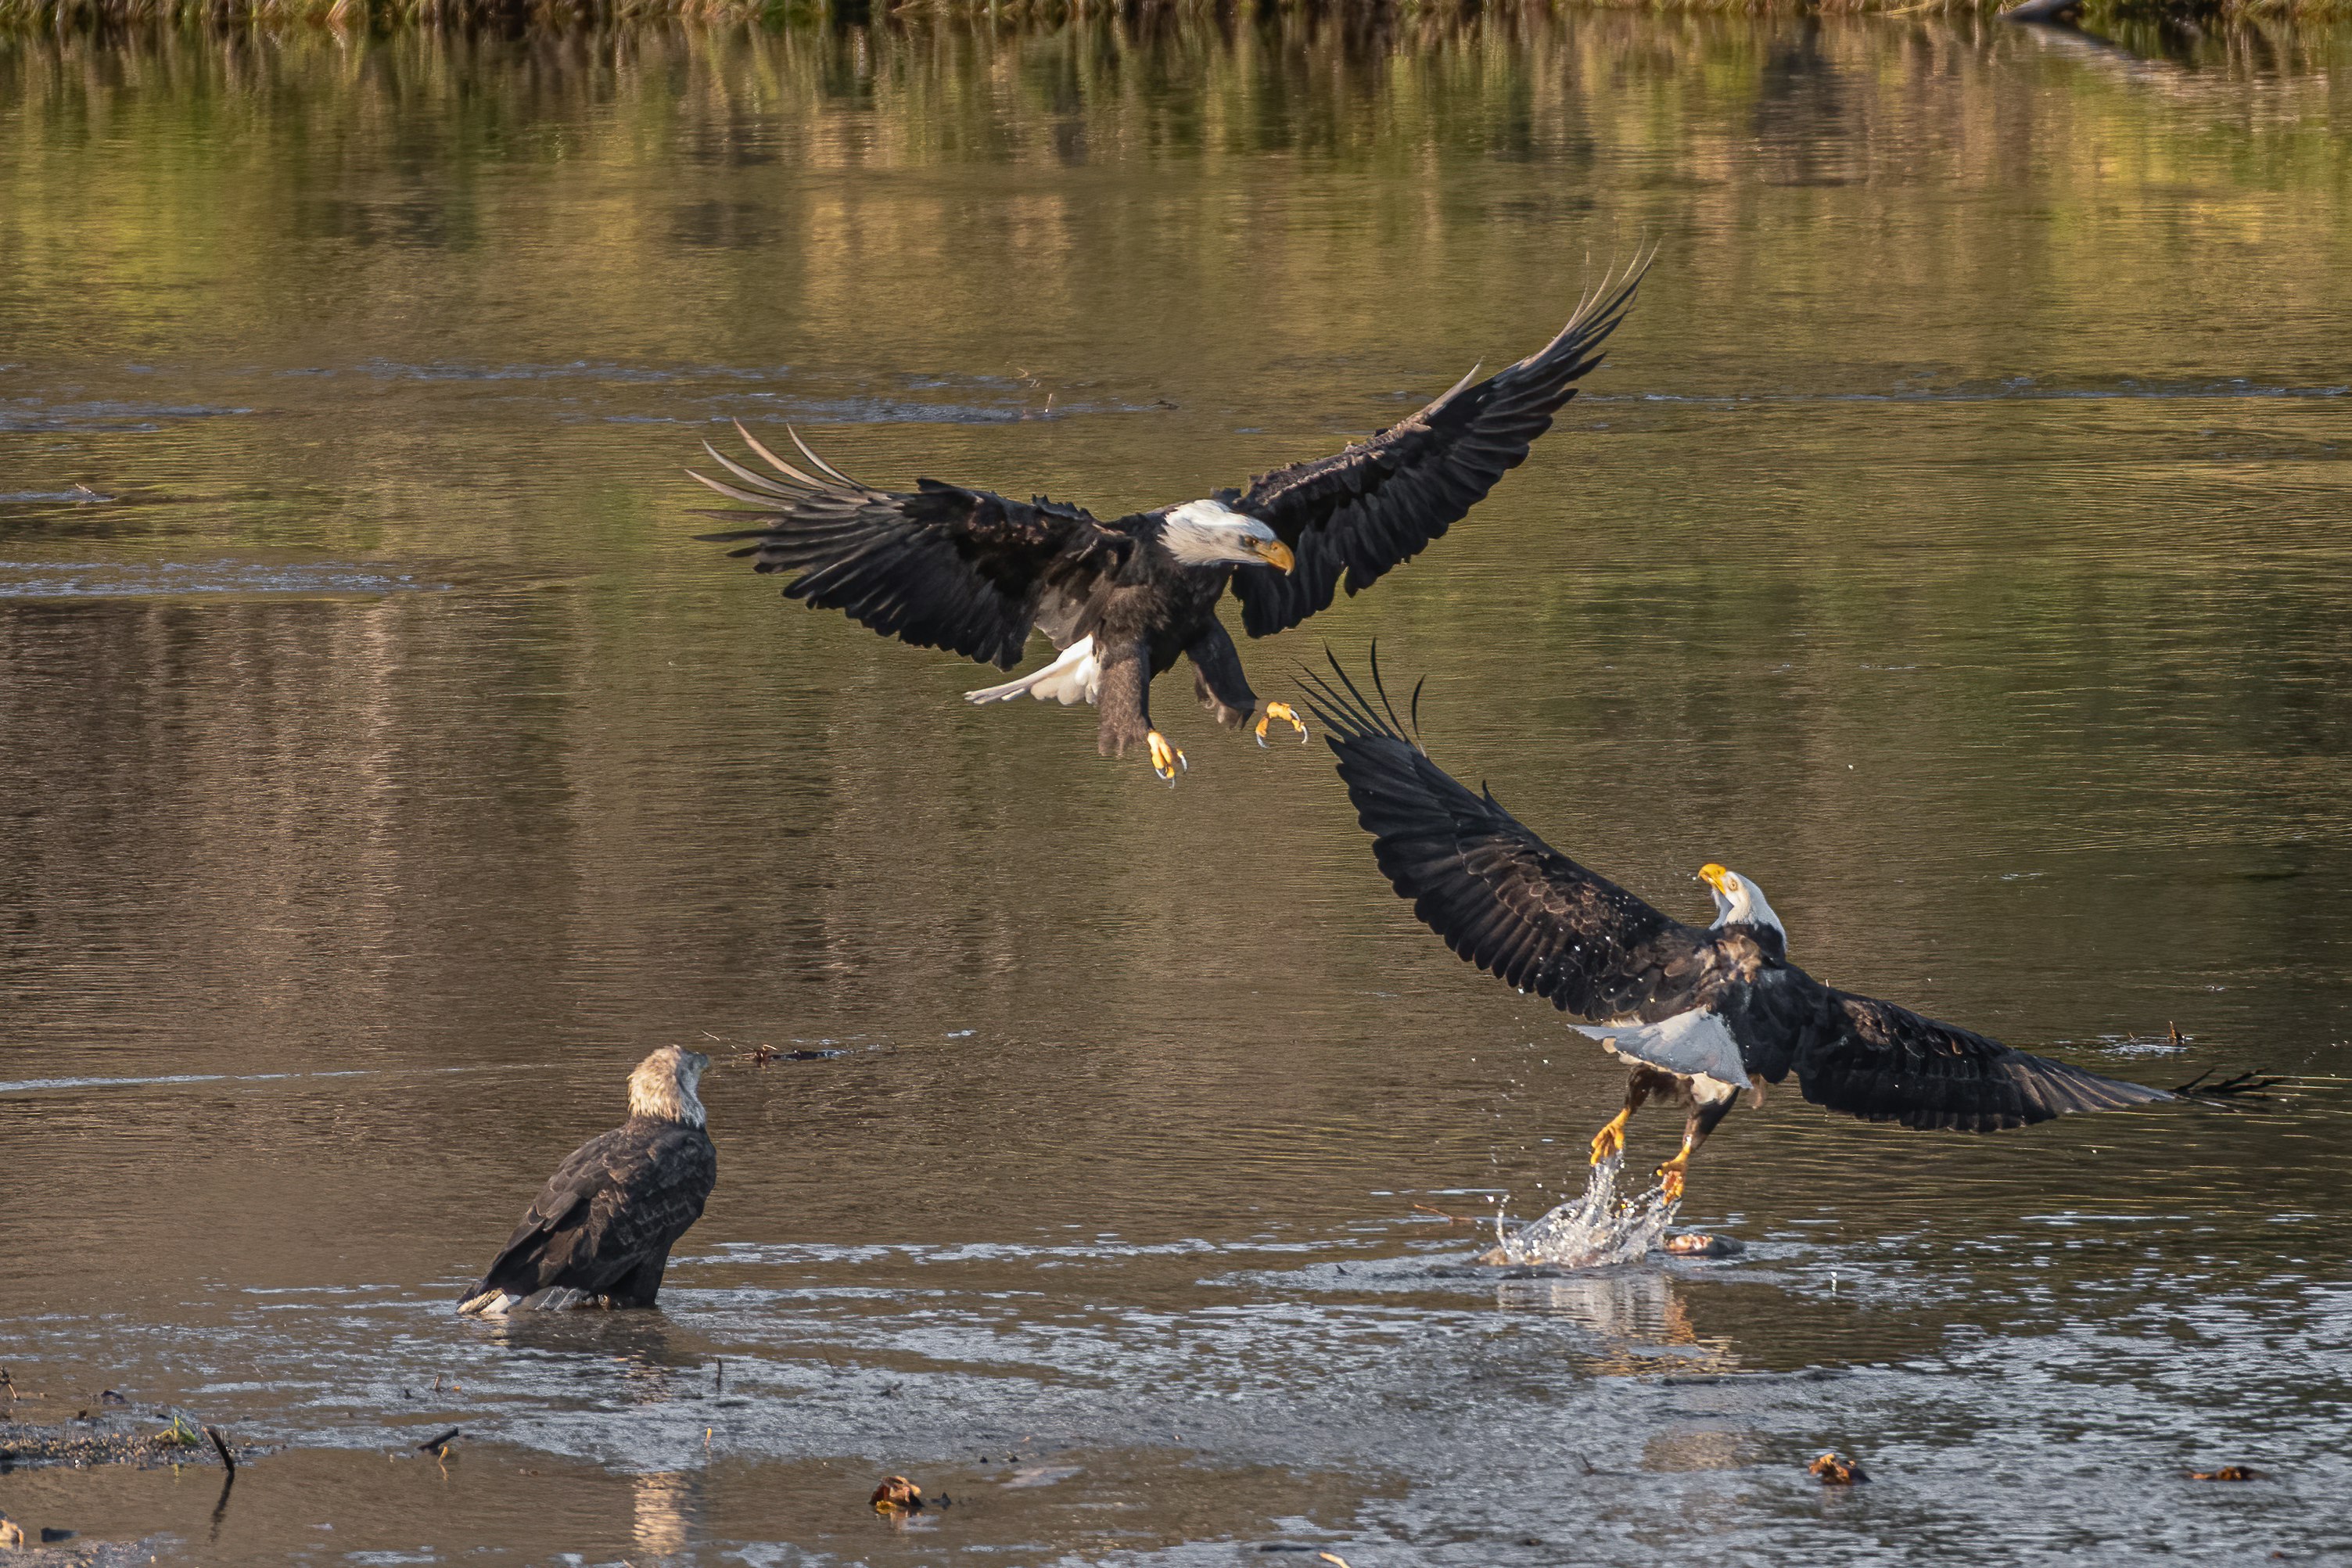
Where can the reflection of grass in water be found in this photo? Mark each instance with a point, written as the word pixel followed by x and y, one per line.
pixel 1399 18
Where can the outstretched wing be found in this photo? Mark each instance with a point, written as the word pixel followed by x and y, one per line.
pixel 1377 504
pixel 621 1198
pixel 1500 896
pixel 944 566
pixel 1886 1064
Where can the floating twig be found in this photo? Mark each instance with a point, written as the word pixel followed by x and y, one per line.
pixel 438 1445
pixel 1449 1219
pixel 220 1447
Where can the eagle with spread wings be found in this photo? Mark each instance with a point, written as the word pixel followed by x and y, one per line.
pixel 977 573
pixel 1699 1013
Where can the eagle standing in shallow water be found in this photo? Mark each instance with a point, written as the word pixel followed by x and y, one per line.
pixel 975 572
pixel 1700 1015
pixel 599 1233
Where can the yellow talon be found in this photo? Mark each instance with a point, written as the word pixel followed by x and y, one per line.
pixel 1670 1176
pixel 1609 1141
pixel 1281 711
pixel 1165 759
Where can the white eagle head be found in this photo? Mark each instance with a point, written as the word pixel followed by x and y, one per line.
pixel 1210 533
pixel 663 1086
pixel 1738 901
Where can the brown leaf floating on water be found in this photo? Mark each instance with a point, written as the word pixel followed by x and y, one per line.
pixel 2227 1473
pixel 897 1494
pixel 1836 1471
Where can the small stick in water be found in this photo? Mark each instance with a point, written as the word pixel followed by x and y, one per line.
pixel 220 1447
pixel 437 1445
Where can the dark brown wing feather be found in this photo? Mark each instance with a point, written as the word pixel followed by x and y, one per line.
pixel 944 566
pixel 1376 505
pixel 1500 896
pixel 1886 1064
pixel 621 1200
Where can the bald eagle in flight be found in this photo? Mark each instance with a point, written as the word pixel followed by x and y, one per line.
pixel 974 572
pixel 599 1233
pixel 1699 1014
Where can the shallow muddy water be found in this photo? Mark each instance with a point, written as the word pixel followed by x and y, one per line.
pixel 1956 543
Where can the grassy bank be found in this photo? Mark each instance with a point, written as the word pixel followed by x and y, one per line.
pixel 567 14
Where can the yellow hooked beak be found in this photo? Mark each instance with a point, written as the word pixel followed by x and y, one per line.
pixel 1714 876
pixel 1274 552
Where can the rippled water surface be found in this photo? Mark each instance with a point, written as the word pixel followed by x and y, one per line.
pixel 1956 543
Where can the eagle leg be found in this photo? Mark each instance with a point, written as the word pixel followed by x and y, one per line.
pixel 1217 678
pixel 1670 1175
pixel 1280 711
pixel 1609 1142
pixel 1123 707
pixel 1704 1114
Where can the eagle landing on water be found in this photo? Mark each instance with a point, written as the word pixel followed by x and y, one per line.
pixel 975 572
pixel 1699 1014
pixel 599 1233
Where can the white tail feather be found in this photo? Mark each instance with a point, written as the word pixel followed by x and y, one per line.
pixel 1074 677
pixel 554 1299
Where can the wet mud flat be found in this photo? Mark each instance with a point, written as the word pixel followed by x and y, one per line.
pixel 82 1443
pixel 499 1502
pixel 46 1524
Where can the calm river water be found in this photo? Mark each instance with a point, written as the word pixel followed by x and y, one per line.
pixel 1956 543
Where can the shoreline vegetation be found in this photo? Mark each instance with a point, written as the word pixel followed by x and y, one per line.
pixel 1399 15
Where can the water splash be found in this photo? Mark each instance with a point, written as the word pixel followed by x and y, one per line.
pixel 1592 1229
